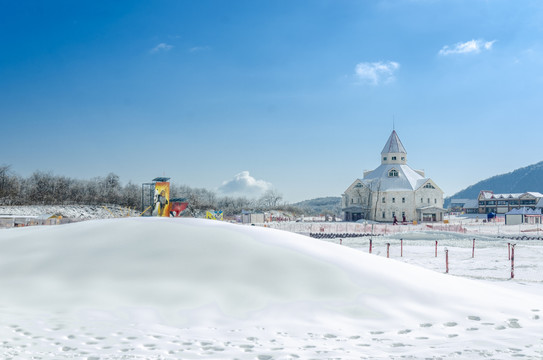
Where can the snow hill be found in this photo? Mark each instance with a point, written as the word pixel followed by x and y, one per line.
pixel 192 289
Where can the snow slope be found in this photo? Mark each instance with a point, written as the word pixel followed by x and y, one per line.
pixel 190 288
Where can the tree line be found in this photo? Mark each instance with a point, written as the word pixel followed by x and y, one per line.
pixel 45 188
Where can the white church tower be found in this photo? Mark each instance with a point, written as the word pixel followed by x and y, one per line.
pixel 393 191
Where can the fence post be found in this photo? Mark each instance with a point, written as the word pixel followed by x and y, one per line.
pixel 388 250
pixel 340 241
pixel 436 248
pixel 446 261
pixel 508 251
pixel 370 246
pixel 473 249
pixel 513 261
pixel 401 247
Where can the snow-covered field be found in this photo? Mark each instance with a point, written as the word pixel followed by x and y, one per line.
pixel 74 212
pixel 148 288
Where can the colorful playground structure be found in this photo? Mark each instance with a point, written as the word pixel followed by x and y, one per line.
pixel 214 215
pixel 155 199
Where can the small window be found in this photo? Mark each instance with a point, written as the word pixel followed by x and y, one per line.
pixel 383 200
pixel 393 173
pixel 393 200
pixel 393 213
pixel 403 214
pixel 429 186
pixel 435 201
pixel 403 200
pixel 383 214
pixel 403 158
pixel 428 200
pixel 421 200
pixel 394 158
pixel 385 158
pixel 352 201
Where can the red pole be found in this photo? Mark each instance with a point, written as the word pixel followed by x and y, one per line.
pixel 340 241
pixel 512 261
pixel 473 249
pixel 388 247
pixel 401 247
pixel 508 251
pixel 446 261
pixel 436 248
pixel 370 246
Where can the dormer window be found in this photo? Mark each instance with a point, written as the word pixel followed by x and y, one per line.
pixel 403 158
pixel 429 186
pixel 393 173
pixel 384 158
pixel 394 158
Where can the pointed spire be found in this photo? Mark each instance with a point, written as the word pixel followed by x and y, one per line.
pixel 393 145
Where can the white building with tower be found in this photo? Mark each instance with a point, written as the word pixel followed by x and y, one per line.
pixel 393 190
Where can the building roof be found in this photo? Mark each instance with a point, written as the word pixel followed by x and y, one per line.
pixel 489 195
pixel 471 204
pixel 459 201
pixel 535 194
pixel 393 145
pixel 524 211
pixel 407 179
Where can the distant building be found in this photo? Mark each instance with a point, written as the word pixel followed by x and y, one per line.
pixel 393 190
pixel 471 207
pixel 503 203
pixel 466 206
pixel 523 216
pixel 252 218
pixel 457 205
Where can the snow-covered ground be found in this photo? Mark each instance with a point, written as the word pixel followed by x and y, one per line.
pixel 150 288
pixel 74 212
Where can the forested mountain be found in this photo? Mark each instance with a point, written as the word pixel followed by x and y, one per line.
pixel 325 205
pixel 529 178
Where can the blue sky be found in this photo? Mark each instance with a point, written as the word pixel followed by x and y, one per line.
pixel 295 95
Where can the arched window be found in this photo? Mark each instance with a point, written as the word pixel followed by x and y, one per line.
pixel 393 173
pixel 429 186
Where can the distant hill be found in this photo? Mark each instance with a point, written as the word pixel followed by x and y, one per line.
pixel 323 205
pixel 529 178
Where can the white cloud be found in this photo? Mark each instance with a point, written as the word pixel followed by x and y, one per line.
pixel 243 184
pixel 163 47
pixel 472 46
pixel 376 72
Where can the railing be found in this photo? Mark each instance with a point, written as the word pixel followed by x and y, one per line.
pixel 486 228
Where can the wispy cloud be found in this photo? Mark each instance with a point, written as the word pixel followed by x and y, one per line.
pixel 243 184
pixel 162 47
pixel 196 49
pixel 376 72
pixel 472 46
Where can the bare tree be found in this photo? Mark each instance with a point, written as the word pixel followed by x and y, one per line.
pixel 270 199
